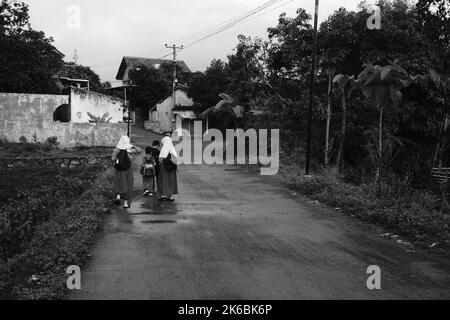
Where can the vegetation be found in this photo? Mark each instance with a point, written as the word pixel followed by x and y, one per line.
pixel 381 118
pixel 28 60
pixel 372 116
pixel 48 219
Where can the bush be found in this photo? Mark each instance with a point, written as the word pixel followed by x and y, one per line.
pixel 52 142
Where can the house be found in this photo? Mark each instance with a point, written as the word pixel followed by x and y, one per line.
pixel 165 117
pixel 129 63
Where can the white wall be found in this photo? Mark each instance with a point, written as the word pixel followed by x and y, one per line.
pixel 83 101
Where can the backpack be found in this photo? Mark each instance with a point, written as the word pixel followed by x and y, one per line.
pixel 168 164
pixel 149 168
pixel 123 162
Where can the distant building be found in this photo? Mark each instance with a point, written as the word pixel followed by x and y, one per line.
pixel 161 117
pixel 164 117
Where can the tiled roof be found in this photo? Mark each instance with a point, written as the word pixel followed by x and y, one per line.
pixel 147 62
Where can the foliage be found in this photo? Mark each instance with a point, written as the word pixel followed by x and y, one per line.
pixel 152 85
pixel 52 142
pixel 75 71
pixel 105 118
pixel 28 60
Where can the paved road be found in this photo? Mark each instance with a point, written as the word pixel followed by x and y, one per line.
pixel 233 235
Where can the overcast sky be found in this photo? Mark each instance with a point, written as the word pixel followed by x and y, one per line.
pixel 111 29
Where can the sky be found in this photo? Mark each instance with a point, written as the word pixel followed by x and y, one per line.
pixel 106 30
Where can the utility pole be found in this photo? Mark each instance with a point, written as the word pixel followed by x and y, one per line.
pixel 174 86
pixel 75 56
pixel 311 92
pixel 128 107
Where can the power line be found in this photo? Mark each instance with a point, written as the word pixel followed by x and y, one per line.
pixel 209 32
pixel 235 22
pixel 225 23
pixel 233 25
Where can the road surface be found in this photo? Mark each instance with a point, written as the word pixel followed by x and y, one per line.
pixel 233 235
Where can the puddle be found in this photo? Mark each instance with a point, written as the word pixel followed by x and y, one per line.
pixel 158 221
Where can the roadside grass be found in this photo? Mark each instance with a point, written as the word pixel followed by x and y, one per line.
pixel 48 220
pixel 47 149
pixel 417 215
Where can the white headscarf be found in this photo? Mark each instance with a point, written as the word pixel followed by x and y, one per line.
pixel 168 148
pixel 124 143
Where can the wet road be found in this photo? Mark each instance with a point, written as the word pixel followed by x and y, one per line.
pixel 232 235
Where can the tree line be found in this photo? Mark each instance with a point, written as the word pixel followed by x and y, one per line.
pixel 381 103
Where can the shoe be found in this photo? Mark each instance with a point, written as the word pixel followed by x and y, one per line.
pixel 117 201
pixel 170 199
pixel 126 205
pixel 162 199
pixel 146 193
pixel 151 194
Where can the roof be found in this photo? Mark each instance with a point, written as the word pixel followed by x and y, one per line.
pixel 147 62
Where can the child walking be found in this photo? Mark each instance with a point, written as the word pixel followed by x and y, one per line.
pixel 150 169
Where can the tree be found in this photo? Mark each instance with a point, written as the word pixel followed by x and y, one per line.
pixel 343 83
pixel 28 60
pixel 329 63
pixel 152 86
pixel 382 86
pixel 75 71
pixel 204 88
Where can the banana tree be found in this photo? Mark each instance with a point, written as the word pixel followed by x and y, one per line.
pixel 329 61
pixel 382 86
pixel 344 84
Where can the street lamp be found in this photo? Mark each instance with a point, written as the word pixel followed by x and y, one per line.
pixel 311 92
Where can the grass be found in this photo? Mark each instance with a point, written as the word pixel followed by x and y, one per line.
pixel 48 220
pixel 10 150
pixel 416 215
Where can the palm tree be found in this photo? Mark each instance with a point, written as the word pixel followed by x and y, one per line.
pixel 343 82
pixel 382 86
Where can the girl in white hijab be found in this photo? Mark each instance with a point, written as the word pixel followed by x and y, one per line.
pixel 168 148
pixel 167 184
pixel 123 156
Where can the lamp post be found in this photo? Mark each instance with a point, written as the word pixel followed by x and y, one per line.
pixel 311 92
pixel 127 105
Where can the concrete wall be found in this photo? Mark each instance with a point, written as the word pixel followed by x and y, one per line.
pixel 27 115
pixel 23 114
pixel 84 101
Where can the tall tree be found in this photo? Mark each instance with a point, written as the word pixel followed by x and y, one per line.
pixel 382 86
pixel 28 60
pixel 152 86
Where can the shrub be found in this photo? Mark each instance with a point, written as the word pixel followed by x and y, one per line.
pixel 52 142
pixel 23 140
